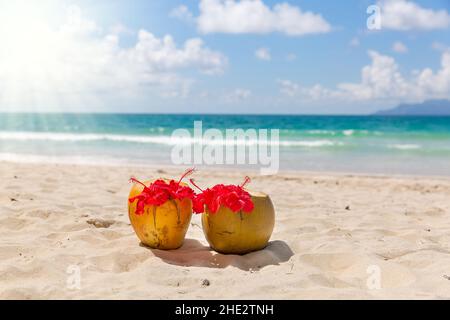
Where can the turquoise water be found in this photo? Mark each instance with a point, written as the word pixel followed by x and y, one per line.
pixel 372 144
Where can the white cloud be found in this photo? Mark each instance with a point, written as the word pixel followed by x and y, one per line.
pixel 407 15
pixel 263 54
pixel 436 83
pixel 77 24
pixel 253 16
pixel 183 13
pixel 78 61
pixel 293 89
pixel 380 80
pixel 399 47
pixel 163 54
pixel 289 88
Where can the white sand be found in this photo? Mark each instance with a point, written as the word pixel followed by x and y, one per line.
pixel 53 218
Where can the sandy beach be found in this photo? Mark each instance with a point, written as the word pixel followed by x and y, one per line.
pixel 331 233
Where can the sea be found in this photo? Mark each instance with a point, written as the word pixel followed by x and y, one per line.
pixel 350 144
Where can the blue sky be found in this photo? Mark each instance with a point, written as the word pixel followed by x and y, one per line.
pixel 312 57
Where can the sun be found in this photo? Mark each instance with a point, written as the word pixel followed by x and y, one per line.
pixel 28 50
pixel 25 32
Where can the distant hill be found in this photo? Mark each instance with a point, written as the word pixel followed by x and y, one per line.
pixel 427 108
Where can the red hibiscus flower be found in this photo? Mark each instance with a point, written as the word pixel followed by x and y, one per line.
pixel 231 196
pixel 159 192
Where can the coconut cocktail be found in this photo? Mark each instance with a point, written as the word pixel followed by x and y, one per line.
pixel 234 220
pixel 160 211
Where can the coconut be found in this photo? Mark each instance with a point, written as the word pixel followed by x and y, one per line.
pixel 240 232
pixel 234 220
pixel 160 212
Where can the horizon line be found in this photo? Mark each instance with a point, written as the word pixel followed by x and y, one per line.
pixel 217 114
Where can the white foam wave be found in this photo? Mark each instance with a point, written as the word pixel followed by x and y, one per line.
pixel 311 143
pixel 347 132
pixel 324 132
pixel 71 137
pixel 164 140
pixel 404 146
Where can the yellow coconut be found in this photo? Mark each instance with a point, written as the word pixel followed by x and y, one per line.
pixel 160 227
pixel 240 232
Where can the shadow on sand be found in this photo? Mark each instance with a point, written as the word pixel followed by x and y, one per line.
pixel 195 254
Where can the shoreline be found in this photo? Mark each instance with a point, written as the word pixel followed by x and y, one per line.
pixel 229 169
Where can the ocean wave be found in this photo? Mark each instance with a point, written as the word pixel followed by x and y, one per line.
pixel 82 137
pixel 163 140
pixel 311 144
pixel 345 132
pixel 405 146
